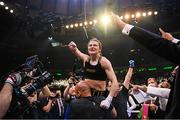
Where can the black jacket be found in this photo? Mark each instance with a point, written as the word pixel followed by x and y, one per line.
pixel 169 51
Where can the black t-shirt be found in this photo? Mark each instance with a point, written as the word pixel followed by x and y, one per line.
pixel 54 112
pixel 43 102
pixel 120 103
pixel 88 107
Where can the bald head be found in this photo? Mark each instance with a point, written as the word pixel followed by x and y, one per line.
pixel 82 89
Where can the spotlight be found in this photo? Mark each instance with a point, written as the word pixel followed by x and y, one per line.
pixel 67 26
pixel 85 23
pixel 76 25
pixel 71 26
pixel 6 7
pixel 11 11
pixel 105 19
pixel 132 16
pixel 149 13
pixel 2 3
pixel 80 24
pixel 144 14
pixel 138 14
pixel 155 12
pixel 90 22
pixel 126 16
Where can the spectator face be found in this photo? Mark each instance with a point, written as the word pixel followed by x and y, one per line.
pixel 152 82
pixel 164 84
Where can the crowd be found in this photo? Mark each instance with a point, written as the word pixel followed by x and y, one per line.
pixel 98 94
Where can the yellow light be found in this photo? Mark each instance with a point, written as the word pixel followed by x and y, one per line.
pixel 76 25
pixel 90 22
pixel 1 3
pixel 80 24
pixel 149 13
pixel 155 12
pixel 126 16
pixel 132 16
pixel 138 14
pixel 67 26
pixel 85 23
pixel 71 26
pixel 105 19
pixel 144 14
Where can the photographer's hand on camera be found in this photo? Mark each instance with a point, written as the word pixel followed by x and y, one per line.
pixel 14 79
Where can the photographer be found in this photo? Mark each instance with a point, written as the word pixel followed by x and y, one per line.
pixel 69 92
pixel 19 93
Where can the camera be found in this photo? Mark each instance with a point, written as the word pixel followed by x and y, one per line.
pixel 32 69
pixel 43 80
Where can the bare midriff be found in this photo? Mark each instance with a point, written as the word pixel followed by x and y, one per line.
pixel 96 84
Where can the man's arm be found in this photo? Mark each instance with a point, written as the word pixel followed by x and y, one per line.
pixel 46 91
pixel 153 42
pixel 156 44
pixel 159 92
pixel 5 98
pixel 169 37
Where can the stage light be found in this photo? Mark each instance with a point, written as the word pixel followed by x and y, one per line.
pixel 155 12
pixel 71 26
pixel 67 26
pixel 126 16
pixel 149 13
pixel 132 16
pixel 90 22
pixel 2 3
pixel 11 11
pixel 138 14
pixel 80 24
pixel 105 19
pixel 85 23
pixel 6 7
pixel 144 14
pixel 76 25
